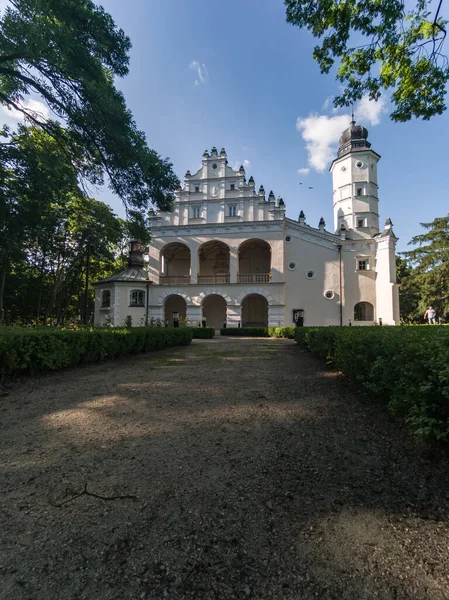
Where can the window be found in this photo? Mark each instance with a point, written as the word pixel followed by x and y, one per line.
pixel 214 166
pixel 196 213
pixel 232 211
pixel 292 266
pixel 288 239
pixel 310 274
pixel 106 298
pixel 359 164
pixel 359 191
pixel 360 222
pixel 137 298
pixel 232 186
pixel 363 265
pixel 329 294
pixel 197 188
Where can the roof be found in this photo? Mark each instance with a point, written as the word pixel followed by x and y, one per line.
pixel 131 274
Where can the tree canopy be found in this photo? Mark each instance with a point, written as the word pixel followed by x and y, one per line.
pixel 425 277
pixel 51 232
pixel 381 46
pixel 68 54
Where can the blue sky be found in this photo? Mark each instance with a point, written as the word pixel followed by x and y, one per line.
pixel 235 74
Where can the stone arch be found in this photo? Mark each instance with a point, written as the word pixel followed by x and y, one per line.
pixel 254 261
pixel 214 258
pixel 260 291
pixel 363 311
pixel 254 311
pixel 213 309
pixel 174 303
pixel 212 291
pixel 175 263
pixel 173 292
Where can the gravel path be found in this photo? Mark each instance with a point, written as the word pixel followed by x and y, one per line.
pixel 256 472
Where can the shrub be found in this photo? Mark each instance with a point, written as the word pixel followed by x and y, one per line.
pixel 282 332
pixel 38 350
pixel 406 367
pixel 277 332
pixel 203 332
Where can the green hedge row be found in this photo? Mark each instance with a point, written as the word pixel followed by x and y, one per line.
pixel 203 332
pixel 407 367
pixel 38 350
pixel 277 332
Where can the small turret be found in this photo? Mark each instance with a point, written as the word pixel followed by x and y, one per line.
pixel 322 224
pixel 223 152
pixel 271 197
pixel 213 151
pixel 302 218
pixel 135 258
pixel 251 181
pixel 281 203
pixel 206 154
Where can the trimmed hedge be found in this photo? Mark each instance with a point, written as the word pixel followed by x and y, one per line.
pixel 38 350
pixel 203 332
pixel 277 332
pixel 406 367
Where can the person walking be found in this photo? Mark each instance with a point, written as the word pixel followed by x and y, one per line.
pixel 430 315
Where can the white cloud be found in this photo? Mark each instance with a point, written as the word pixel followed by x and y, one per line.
pixel 38 109
pixel 303 171
pixel 368 111
pixel 322 132
pixel 236 165
pixel 201 72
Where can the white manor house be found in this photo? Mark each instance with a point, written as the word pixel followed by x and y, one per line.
pixel 229 255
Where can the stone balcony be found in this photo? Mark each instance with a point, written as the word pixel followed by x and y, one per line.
pixel 254 278
pixel 215 279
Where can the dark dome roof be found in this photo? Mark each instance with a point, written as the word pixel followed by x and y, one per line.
pixel 355 136
pixel 353 132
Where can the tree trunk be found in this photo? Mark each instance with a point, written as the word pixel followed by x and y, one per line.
pixel 2 291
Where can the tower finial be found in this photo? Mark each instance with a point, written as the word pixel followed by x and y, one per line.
pixel 352 113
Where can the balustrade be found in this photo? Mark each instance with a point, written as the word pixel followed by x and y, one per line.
pixel 174 280
pixel 254 278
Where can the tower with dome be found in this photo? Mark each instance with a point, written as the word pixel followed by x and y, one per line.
pixel 228 254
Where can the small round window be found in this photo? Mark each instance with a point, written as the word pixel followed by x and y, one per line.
pixel 359 164
pixel 310 274
pixel 292 266
pixel 288 239
pixel 214 166
pixel 343 168
pixel 329 294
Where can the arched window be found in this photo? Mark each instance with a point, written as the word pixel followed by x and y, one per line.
pixel 137 298
pixel 363 311
pixel 106 298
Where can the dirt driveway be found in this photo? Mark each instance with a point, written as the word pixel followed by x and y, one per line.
pixel 256 474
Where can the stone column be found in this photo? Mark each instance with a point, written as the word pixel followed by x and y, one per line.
pixel 275 316
pixel 193 263
pixel 233 315
pixel 193 314
pixel 233 264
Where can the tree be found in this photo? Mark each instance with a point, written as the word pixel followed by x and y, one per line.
pixel 430 262
pixel 409 291
pixel 51 233
pixel 381 46
pixel 68 53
